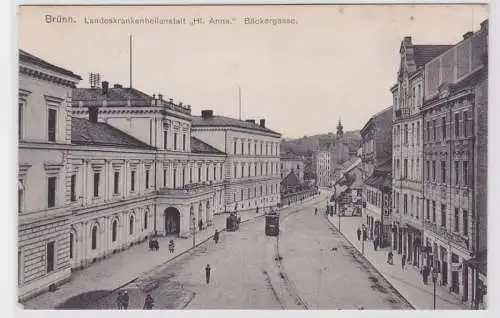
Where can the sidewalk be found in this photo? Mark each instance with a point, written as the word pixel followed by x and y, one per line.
pixel 407 282
pixel 120 269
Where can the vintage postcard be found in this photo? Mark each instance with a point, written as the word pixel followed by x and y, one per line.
pixel 252 157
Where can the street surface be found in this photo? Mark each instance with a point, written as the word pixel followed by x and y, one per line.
pixel 316 269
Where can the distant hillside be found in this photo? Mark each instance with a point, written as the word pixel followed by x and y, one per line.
pixel 308 144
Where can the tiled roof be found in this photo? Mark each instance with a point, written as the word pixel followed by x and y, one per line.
pixel 198 146
pixel 85 132
pixel 222 121
pixel 376 180
pixel 290 180
pixel 425 53
pixel 30 58
pixel 114 94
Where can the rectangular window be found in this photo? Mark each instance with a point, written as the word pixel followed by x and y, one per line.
pixel 412 170
pixel 443 215
pixel 147 179
pixel 242 170
pixel 221 172
pixel 116 182
pixel 465 220
pixel 434 170
pixel 52 124
pixel 183 176
pixel 199 174
pixel 73 188
pixel 412 134
pixel 165 139
pixel 249 147
pixel 417 167
pixel 443 171
pixel 206 174
pixel 242 147
pixel 457 221
pixel 255 148
pixel 132 181
pixel 51 192
pixel 434 131
pixel 50 256
pixel 465 172
pixel 184 142
pixel 457 169
pixel 175 141
pixel 235 171
pixel 418 133
pixel 428 169
pixel 417 209
pixel 405 204
pixel 457 124
pixel 164 177
pixel 405 168
pixel 443 128
pixel 234 147
pixel 20 122
pixel 434 211
pixel 97 175
pixel 215 173
pixel 428 131
pixel 428 210
pixel 465 120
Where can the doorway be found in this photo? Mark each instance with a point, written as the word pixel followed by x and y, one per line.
pixel 172 221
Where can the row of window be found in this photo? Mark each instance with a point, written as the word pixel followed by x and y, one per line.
pixel 175 140
pixel 414 98
pixel 263 190
pixel 265 148
pixel 411 134
pixel 459 217
pixel 411 169
pixel 440 129
pixel 262 169
pixel 460 175
pixel 202 175
pixel 411 206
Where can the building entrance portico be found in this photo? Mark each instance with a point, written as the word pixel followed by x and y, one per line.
pixel 172 221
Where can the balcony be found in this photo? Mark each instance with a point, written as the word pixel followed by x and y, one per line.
pixel 454 238
pixel 189 190
pixel 402 113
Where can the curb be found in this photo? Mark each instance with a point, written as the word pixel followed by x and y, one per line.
pixel 412 305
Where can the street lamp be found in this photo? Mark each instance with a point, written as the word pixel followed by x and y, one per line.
pixel 194 231
pixel 434 279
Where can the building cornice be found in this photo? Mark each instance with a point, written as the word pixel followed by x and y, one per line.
pixel 47 75
pixel 228 128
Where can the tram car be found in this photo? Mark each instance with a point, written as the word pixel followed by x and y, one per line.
pixel 272 224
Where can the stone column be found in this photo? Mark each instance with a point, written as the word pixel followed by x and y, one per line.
pixel 185 220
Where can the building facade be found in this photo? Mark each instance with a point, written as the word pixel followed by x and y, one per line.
pixel 43 202
pixel 455 117
pixel 408 95
pixel 376 159
pixel 252 170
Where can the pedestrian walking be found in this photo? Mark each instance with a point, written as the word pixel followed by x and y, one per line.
pixel 200 225
pixel 171 246
pixel 216 236
pixel 125 300
pixel 403 261
pixel 119 300
pixel 390 258
pixel 359 233
pixel 148 302
pixel 207 273
pixel 375 242
pixel 316 211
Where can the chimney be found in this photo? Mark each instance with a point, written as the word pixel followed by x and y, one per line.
pixel 250 121
pixel 468 35
pixel 105 87
pixel 160 97
pixel 118 86
pixel 407 40
pixel 93 111
pixel 207 113
pixel 263 123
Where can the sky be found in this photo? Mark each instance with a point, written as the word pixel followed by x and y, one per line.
pixel 337 61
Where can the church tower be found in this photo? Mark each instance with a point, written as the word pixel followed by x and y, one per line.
pixel 340 131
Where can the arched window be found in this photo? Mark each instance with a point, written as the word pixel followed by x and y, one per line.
pixel 94 237
pixel 146 220
pixel 114 230
pixel 131 225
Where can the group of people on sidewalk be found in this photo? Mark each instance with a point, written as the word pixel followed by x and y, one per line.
pixel 123 300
